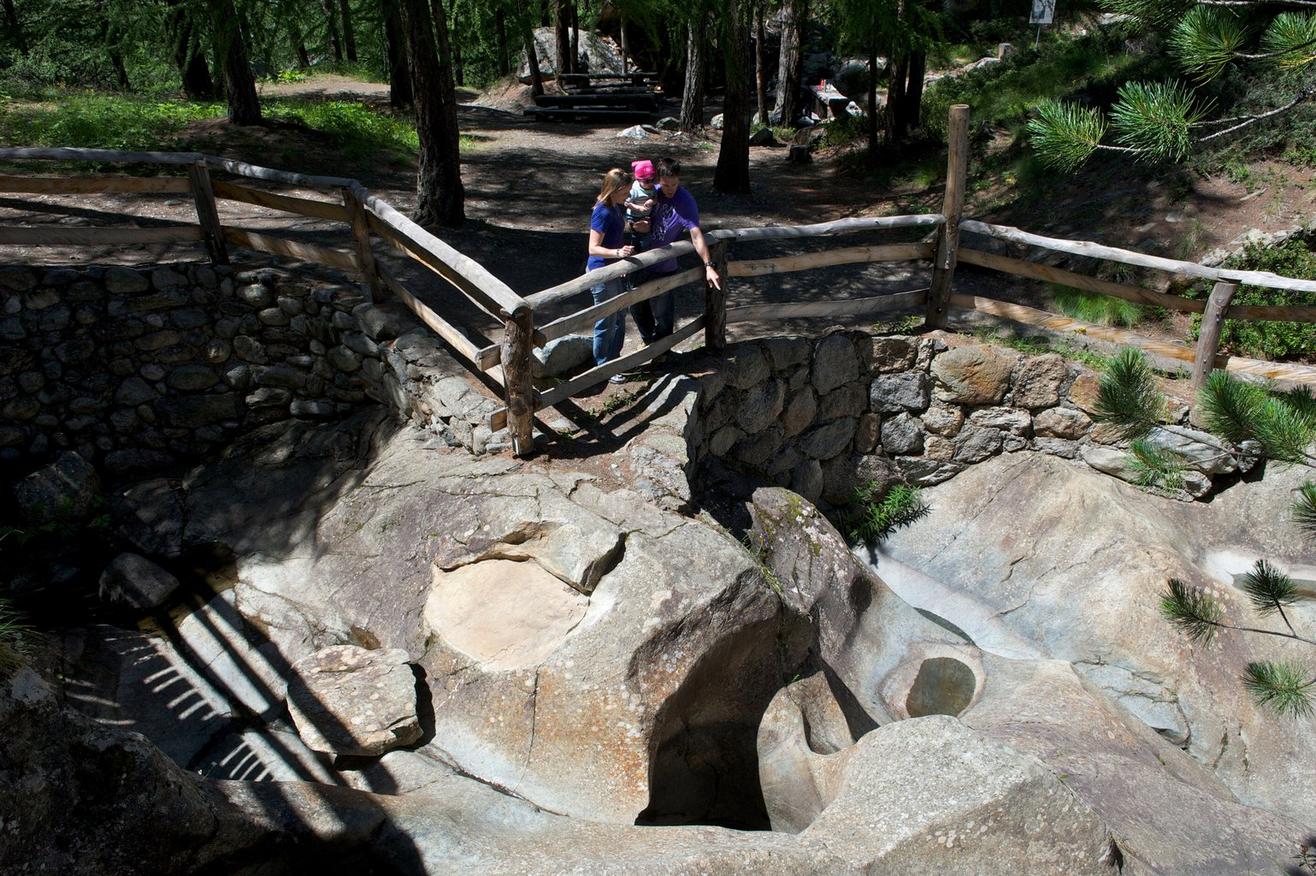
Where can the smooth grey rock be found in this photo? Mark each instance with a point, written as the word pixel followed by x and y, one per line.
pixel 133 580
pixel 1068 423
pixel 134 391
pixel 927 472
pixel 1199 451
pixel 807 479
pixel 562 355
pixel 1111 461
pixel 346 700
pixel 902 434
pixel 255 295
pixel 761 406
pixel 834 363
pixel 849 400
pixel 902 391
pixel 828 440
pixel 799 412
pixel 1057 447
pixel 63 491
pixel 976 443
pixel 344 359
pixel 786 352
pixel 192 377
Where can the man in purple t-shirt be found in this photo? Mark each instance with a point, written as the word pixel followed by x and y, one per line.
pixel 674 213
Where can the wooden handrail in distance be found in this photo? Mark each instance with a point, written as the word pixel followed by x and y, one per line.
pixel 1141 260
pixel 91 185
pixel 890 252
pixel 67 153
pixel 878 305
pixel 58 235
pixel 286 203
pixel 583 319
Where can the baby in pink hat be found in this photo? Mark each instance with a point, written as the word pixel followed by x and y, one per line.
pixel 640 201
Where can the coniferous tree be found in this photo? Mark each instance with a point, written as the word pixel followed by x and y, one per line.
pixel 790 58
pixel 1164 121
pixel 440 196
pixel 732 172
pixel 239 84
pixel 692 92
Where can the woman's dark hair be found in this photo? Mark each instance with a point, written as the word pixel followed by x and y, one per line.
pixel 667 167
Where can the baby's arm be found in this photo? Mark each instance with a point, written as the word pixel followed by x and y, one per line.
pixel 640 207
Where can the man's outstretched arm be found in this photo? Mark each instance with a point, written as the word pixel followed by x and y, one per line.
pixel 701 247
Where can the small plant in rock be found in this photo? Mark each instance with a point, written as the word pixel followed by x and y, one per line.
pixel 1283 424
pixel 1128 397
pixel 875 515
pixel 1285 687
pixel 17 640
pixel 1156 466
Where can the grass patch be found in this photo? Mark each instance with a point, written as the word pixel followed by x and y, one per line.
pixel 1095 308
pixel 874 515
pixel 1278 341
pixel 1040 346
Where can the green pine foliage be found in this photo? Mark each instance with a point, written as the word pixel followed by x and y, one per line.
pixel 1195 612
pixel 1095 308
pixel 1284 687
pixel 1304 509
pixel 1268 589
pixel 1128 396
pixel 874 515
pixel 1283 424
pixel 1156 466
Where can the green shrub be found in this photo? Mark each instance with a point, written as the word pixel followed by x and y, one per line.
pixel 1264 339
pixel 874 516
pixel 1282 423
pixel 1128 396
pixel 1095 308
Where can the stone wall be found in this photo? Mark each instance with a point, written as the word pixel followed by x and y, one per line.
pixel 822 416
pixel 139 370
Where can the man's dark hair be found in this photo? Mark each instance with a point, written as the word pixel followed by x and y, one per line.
pixel 667 167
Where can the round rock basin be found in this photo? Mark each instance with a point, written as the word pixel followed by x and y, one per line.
pixel 503 613
pixel 943 686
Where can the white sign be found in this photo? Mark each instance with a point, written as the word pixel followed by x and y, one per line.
pixel 1043 12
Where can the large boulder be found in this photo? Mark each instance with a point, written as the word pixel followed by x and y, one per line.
pixel 1078 575
pixel 62 492
pixel 346 700
pixel 135 581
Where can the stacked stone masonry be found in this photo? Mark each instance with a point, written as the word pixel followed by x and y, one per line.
pixel 822 416
pixel 141 369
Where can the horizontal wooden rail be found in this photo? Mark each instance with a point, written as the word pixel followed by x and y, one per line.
pixel 619 268
pixel 295 249
pixel 269 174
pixel 65 153
pixel 444 329
pixel 1181 356
pixel 83 185
pixel 850 255
pixel 466 273
pixel 286 203
pixel 879 305
pixel 59 235
pixel 1137 259
pixel 824 229
pixel 1049 274
pixel 600 373
pixel 586 318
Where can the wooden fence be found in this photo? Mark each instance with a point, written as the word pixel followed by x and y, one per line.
pixel 506 366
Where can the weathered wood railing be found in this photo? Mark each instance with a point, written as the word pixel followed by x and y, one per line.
pixel 506 366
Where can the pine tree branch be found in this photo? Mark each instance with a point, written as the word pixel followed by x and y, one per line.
pixel 1279 53
pixel 1257 3
pixel 1302 95
pixel 1284 617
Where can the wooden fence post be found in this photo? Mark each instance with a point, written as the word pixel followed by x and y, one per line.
pixel 518 342
pixel 361 234
pixel 952 205
pixel 715 301
pixel 207 213
pixel 1208 338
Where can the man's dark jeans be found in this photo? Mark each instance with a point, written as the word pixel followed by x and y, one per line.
pixel 656 317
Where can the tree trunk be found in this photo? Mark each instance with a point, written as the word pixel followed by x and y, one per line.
pixel 502 55
pixel 190 60
pixel 895 100
pixel 789 60
pixel 331 30
pixel 13 26
pixel 109 39
pixel 239 85
pixel 918 62
pixel 298 44
pixel 458 69
pixel 531 56
pixel 440 197
pixel 575 38
pixel 692 95
pixel 760 62
pixel 349 37
pixel 870 120
pixel 625 46
pixel 399 73
pixel 732 173
pixel 563 64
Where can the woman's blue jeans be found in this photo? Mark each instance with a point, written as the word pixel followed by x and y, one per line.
pixel 609 332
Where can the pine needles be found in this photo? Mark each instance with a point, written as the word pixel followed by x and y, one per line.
pixel 1268 589
pixel 1064 134
pixel 1304 510
pixel 1282 686
pixel 1128 397
pixel 1195 612
pixel 1283 424
pixel 1156 466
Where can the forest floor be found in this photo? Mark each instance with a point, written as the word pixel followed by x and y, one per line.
pixel 530 186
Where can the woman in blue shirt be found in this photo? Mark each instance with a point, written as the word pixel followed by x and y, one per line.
pixel 607 233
